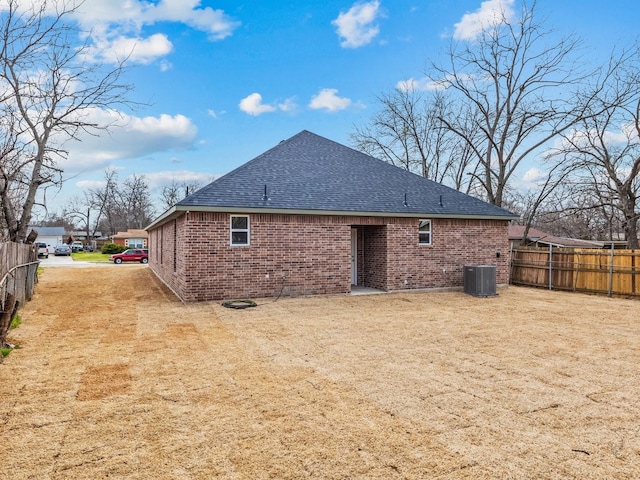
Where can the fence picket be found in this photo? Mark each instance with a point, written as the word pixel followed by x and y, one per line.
pixel 18 275
pixel 613 272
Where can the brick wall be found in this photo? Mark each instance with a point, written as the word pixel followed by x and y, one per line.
pixel 455 243
pixel 297 255
pixel 373 241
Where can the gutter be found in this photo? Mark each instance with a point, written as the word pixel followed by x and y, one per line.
pixel 179 210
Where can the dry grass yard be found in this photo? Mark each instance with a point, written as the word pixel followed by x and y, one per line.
pixel 116 378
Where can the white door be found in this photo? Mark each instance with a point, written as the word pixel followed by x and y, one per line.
pixel 354 256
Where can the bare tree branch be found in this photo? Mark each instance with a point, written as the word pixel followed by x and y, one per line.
pixel 47 90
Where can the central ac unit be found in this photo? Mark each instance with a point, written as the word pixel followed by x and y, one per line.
pixel 480 280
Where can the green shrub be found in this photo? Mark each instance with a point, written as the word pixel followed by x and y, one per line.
pixel 15 322
pixel 111 248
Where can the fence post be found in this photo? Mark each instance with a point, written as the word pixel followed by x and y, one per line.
pixel 550 267
pixel 611 271
pixel 510 263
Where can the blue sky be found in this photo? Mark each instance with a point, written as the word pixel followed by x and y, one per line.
pixel 226 80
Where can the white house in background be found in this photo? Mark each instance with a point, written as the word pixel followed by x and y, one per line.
pixel 52 236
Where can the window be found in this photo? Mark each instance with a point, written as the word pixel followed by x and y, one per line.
pixel 239 230
pixel 134 243
pixel 424 232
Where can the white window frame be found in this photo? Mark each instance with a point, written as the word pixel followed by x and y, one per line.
pixel 421 232
pixel 239 230
pixel 134 242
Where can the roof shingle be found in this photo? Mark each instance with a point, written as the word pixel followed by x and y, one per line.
pixel 310 173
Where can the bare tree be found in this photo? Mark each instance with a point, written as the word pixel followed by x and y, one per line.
pixel 176 191
pixel 46 89
pixel 77 211
pixel 605 146
pixel 513 89
pixel 135 200
pixel 101 200
pixel 573 211
pixel 540 197
pixel 408 133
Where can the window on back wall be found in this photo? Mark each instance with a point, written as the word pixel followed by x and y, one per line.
pixel 424 232
pixel 239 230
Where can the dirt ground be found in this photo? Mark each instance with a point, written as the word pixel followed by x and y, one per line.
pixel 116 378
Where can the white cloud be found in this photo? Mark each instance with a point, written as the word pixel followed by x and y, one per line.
pixel 133 14
pixel 356 26
pixel 90 184
pixel 253 105
pixel 128 137
pixel 115 27
pixel 420 85
pixel 136 50
pixel 327 99
pixel 626 135
pixel 533 175
pixel 167 177
pixel 289 105
pixel 490 13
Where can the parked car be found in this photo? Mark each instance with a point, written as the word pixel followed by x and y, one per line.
pixel 77 247
pixel 131 255
pixel 62 250
pixel 43 250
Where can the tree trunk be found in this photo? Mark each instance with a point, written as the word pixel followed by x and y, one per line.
pixel 631 232
pixel 6 316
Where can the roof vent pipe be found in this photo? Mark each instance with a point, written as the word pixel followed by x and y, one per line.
pixel 265 197
pixel 405 200
pixel 440 201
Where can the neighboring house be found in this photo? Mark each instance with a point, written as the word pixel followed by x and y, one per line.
pixel 311 216
pixel 132 238
pixel 538 238
pixel 52 236
pixel 81 235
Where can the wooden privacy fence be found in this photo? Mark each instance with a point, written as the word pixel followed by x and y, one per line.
pixel 614 272
pixel 18 276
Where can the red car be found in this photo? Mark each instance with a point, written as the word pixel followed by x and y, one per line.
pixel 132 255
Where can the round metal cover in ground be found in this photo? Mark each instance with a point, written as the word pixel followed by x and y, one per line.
pixel 239 304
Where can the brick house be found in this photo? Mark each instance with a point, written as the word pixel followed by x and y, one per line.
pixel 132 238
pixel 311 216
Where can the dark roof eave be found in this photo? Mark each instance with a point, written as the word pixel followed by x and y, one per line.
pixel 178 210
pixel 170 214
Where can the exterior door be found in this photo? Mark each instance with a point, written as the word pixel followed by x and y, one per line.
pixel 354 256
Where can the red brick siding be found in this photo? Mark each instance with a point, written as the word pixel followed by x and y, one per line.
pixel 307 255
pixel 166 242
pixel 455 243
pixel 374 245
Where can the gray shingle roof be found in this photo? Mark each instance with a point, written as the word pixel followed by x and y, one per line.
pixel 48 231
pixel 310 173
